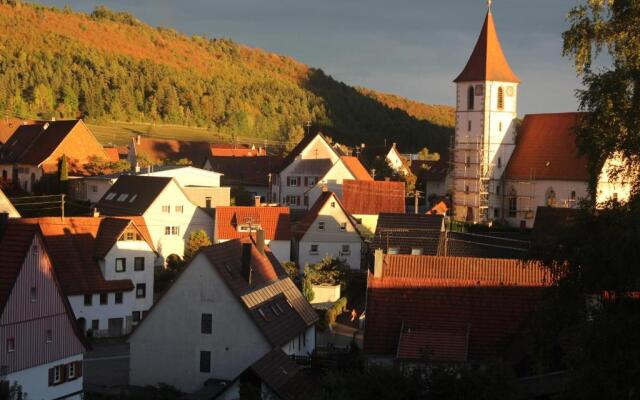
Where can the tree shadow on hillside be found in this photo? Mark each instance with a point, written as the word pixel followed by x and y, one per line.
pixel 356 118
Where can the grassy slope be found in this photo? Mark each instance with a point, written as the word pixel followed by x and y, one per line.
pixel 39 29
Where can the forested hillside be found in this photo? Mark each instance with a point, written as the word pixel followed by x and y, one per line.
pixel 109 66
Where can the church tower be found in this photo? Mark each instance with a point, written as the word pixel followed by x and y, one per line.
pixel 486 105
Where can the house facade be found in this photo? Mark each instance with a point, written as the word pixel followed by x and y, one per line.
pixel 346 168
pixel 42 349
pixel 240 222
pixel 327 230
pixel 35 150
pixel 7 207
pixel 231 287
pixel 169 214
pixel 106 269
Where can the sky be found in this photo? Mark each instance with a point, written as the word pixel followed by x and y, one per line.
pixel 413 48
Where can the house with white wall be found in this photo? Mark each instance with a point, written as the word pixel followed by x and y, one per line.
pixel 240 222
pixel 42 349
pixel 232 305
pixel 346 168
pixel 169 214
pixel 327 230
pixel 105 266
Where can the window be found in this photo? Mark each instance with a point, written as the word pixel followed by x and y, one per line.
pixel 206 324
pixel 467 161
pixel 346 249
pixel 11 345
pixel 306 199
pixel 498 189
pixel 94 188
pixel 121 264
pixel 95 325
pixel 496 213
pixel 471 98
pixel 104 298
pixel 205 361
pixel 207 202
pixel 321 226
pixel 416 251
pixel 573 195
pixel 313 180
pixel 179 209
pixel 466 188
pixel 57 374
pixel 123 197
pixel 49 336
pixel 343 226
pixel 500 126
pixel 71 371
pixel 175 230
pixel 393 250
pixel 293 181
pixel 141 290
pixel 167 230
pixel 88 299
pixel 499 162
pixel 306 181
pixel 34 294
pixel 333 204
pixel 550 197
pixel 513 203
pixel 314 249
pixel 118 296
pixel 110 196
pixel 469 126
pixel 500 98
pixel 138 264
pixel 135 316
pixel 166 209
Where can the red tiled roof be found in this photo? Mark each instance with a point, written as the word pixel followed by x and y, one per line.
pixel 275 221
pixel 373 197
pixel 433 344
pixel 9 126
pixel 356 168
pixel 230 150
pixel 487 61
pixel 546 149
pixel 14 244
pixel 112 153
pixel 431 295
pixel 74 246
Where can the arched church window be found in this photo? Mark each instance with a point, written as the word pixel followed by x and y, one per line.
pixel 500 98
pixel 512 202
pixel 550 197
pixel 471 98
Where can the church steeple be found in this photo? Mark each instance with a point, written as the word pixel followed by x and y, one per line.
pixel 487 61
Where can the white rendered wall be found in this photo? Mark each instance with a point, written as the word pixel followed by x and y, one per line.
pixel 299 347
pixel 35 381
pixel 332 249
pixel 103 313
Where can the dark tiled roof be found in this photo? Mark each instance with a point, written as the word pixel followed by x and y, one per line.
pixel 282 375
pixel 143 190
pixel 485 245
pixel 373 197
pixel 407 231
pixel 245 171
pixel 274 221
pixel 272 300
pixel 491 299
pixel 75 245
pixel 314 167
pixel 15 241
pixel 551 221
pixel 547 149
pixel 159 150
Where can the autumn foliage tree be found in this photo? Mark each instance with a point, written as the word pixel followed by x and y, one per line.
pixel 197 239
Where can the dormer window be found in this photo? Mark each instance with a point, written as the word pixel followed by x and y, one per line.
pixel 249 227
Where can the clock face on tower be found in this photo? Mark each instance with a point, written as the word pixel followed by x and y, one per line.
pixel 510 91
pixel 479 89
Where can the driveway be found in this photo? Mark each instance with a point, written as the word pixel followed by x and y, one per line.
pixel 107 364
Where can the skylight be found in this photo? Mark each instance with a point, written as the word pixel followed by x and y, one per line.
pixel 133 198
pixel 110 196
pixel 123 197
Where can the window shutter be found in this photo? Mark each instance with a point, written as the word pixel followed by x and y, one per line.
pixel 306 181
pixel 51 376
pixel 79 369
pixel 63 373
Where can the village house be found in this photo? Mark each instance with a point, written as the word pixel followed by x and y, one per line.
pixel 252 174
pixel 105 267
pixel 370 154
pixel 162 151
pixel 240 222
pixel 237 150
pixel 34 151
pixel 7 207
pixel 426 309
pixel 327 230
pixel 169 214
pixel 366 200
pixel 313 165
pixel 495 177
pixel 433 178
pixel 42 349
pixel 415 234
pixel 201 186
pixel 232 305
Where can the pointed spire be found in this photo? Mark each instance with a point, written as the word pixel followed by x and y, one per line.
pixel 487 61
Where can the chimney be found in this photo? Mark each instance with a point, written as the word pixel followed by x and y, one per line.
pixel 246 262
pixel 45 126
pixel 4 221
pixel 260 240
pixel 137 168
pixel 138 139
pixel 256 200
pixel 325 188
pixel 378 261
pixel 94 212
pixel 53 119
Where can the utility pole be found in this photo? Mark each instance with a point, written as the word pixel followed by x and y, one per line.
pixel 416 200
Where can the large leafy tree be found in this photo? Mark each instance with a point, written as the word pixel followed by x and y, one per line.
pixel 603 31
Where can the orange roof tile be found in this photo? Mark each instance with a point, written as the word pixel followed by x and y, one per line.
pixel 356 168
pixel 274 221
pixel 230 150
pixel 112 153
pixel 9 126
pixel 373 197
pixel 547 150
pixel 159 150
pixel 487 61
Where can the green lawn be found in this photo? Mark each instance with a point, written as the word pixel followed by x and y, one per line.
pixel 120 133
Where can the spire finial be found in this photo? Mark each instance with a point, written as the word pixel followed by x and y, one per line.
pixel 489 2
